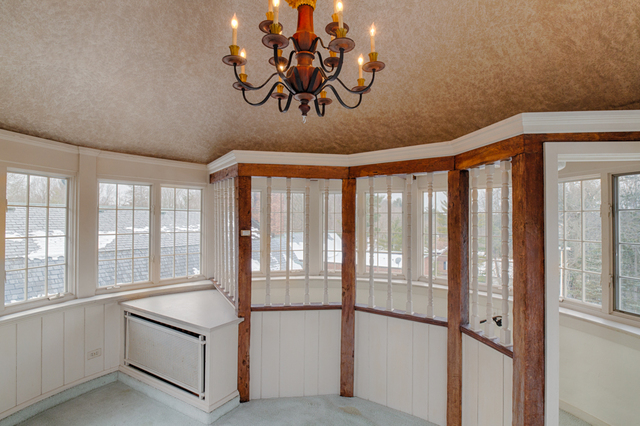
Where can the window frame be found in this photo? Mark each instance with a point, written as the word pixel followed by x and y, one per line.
pixel 423 230
pixel 332 193
pixel 71 244
pixel 614 270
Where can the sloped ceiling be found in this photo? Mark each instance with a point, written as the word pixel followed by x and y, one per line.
pixel 146 76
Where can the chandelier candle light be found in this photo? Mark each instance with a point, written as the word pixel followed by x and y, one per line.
pixel 304 82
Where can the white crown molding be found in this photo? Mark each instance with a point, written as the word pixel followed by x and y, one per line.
pixel 527 123
pixel 151 160
pixel 37 142
pixel 88 151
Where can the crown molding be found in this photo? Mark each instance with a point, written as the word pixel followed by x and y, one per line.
pixel 581 122
pixel 151 160
pixel 37 142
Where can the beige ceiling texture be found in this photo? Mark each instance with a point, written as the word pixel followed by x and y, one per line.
pixel 146 76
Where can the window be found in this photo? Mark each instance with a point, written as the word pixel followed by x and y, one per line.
pixel 36 237
pixel 180 232
pixel 256 209
pixel 439 240
pixel 123 240
pixel 381 234
pixel 580 240
pixel 334 240
pixel 279 231
pixel 626 215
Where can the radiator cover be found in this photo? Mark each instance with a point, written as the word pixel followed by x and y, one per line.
pixel 175 356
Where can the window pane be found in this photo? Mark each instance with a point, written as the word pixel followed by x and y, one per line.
pixel 181 243
pixel 630 295
pixel 194 242
pixel 56 277
pixel 629 225
pixel 124 271
pixel 15 254
pixel 57 221
pixel 195 197
pixel 561 226
pixel 140 270
pixel 573 285
pixel 182 199
pixel 181 266
pixel 593 257
pixel 17 189
pixel 125 196
pixel 166 267
pixel 194 264
pixel 573 255
pixel 181 221
pixel 167 221
pixel 125 245
pixel 38 190
pixel 106 273
pixel 37 252
pixel 125 221
pixel 166 242
pixel 629 260
pixel 573 223
pixel 37 221
pixel 592 226
pixel 194 221
pixel 16 225
pixel 572 196
pixel 141 194
pixel 141 221
pixel 106 247
pixel 57 250
pixel 591 194
pixel 57 192
pixel 36 279
pixel 628 192
pixel 107 221
pixel 560 196
pixel 168 195
pixel 141 245
pixel 107 195
pixel 14 286
pixel 593 289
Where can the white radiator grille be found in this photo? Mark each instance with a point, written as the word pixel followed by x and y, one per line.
pixel 169 354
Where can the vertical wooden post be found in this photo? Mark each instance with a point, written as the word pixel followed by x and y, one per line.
pixel 243 222
pixel 458 296
pixel 529 287
pixel 348 334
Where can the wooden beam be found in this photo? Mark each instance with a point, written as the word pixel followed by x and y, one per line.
pixel 293 171
pixel 498 151
pixel 224 174
pixel 296 307
pixel 442 322
pixel 243 296
pixel 585 137
pixel 425 165
pixel 348 329
pixel 529 288
pixel 458 294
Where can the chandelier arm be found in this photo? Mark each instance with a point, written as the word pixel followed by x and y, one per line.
pixel 246 86
pixel 322 44
pixel 357 92
pixel 280 73
pixel 339 68
pixel 244 95
pixel 289 62
pixel 286 108
pixel 313 78
pixel 296 47
pixel 318 109
pixel 322 65
pixel 296 74
pixel 340 99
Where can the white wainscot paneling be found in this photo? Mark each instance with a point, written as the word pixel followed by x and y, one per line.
pixel 53 350
pixel 112 335
pixel 29 371
pixel 73 345
pixel 402 364
pixel 8 363
pixel 295 353
pixel 486 385
pixel 94 339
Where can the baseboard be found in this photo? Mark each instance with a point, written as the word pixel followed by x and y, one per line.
pixel 565 406
pixel 51 399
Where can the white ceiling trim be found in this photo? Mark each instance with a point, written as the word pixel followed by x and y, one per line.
pixel 527 123
pixel 37 142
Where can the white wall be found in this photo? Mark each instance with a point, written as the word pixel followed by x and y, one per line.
pixel 599 372
pixel 41 355
pixel 295 353
pixel 402 364
pixel 487 379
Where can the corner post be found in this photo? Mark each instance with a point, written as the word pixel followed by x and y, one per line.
pixel 529 286
pixel 348 329
pixel 243 296
pixel 458 295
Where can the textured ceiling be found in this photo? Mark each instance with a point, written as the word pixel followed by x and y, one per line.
pixel 146 76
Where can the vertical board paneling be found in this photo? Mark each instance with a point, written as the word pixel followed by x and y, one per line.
pixel 53 350
pixel 94 338
pixel 362 355
pixel 329 358
pixel 311 352
pixel 224 372
pixel 420 393
pixel 256 355
pixel 73 345
pixel 437 374
pixel 8 366
pixel 291 354
pixel 378 359
pixel 490 386
pixel 270 355
pixel 399 365
pixel 508 386
pixel 29 371
pixel 469 381
pixel 112 335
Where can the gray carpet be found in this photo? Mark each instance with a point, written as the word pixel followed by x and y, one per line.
pixel 118 404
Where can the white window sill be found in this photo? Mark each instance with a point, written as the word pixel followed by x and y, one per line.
pixel 607 321
pixel 113 297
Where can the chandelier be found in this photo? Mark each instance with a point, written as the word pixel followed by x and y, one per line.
pixel 304 82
